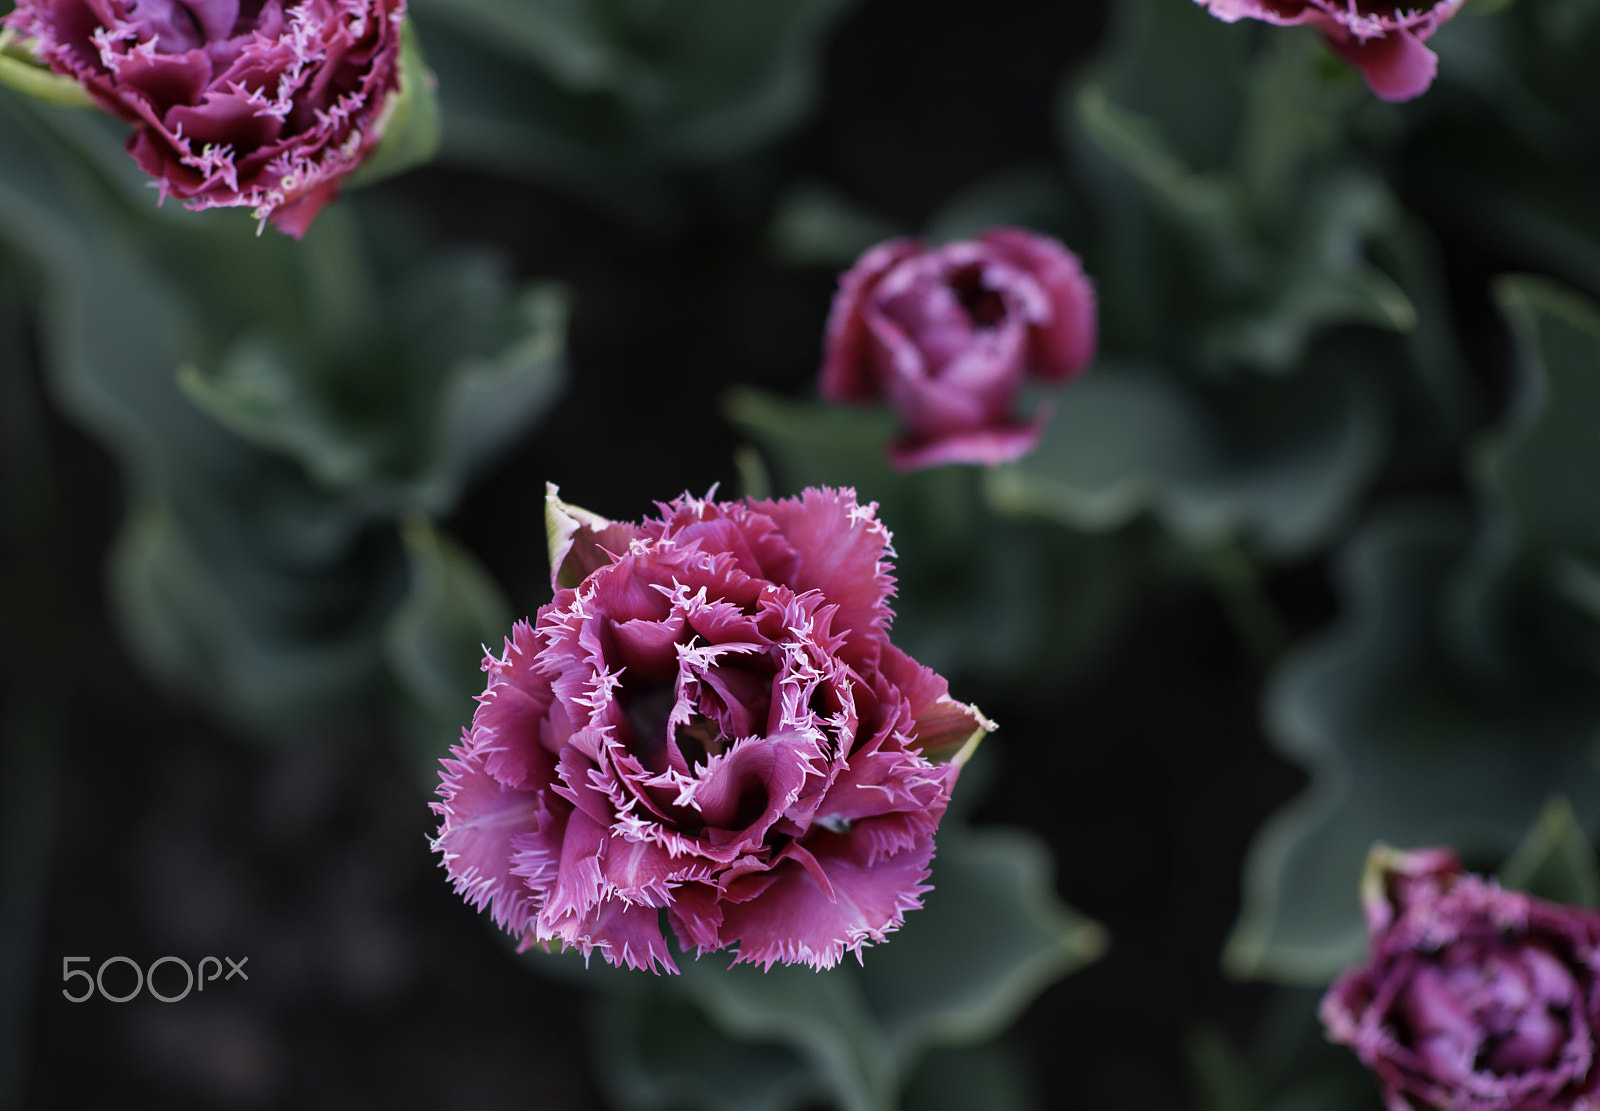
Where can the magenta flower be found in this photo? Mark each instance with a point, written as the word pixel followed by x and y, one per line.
pixel 950 335
pixel 1472 998
pixel 262 103
pixel 1381 40
pixel 709 719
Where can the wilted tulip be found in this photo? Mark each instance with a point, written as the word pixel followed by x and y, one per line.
pixel 708 718
pixel 1472 998
pixel 949 336
pixel 266 104
pixel 1383 41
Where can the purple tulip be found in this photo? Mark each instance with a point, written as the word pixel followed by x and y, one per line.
pixel 1472 998
pixel 950 335
pixel 262 103
pixel 708 719
pixel 1383 41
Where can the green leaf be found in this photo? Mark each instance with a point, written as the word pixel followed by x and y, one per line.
pixel 1556 860
pixel 1288 1065
pixel 410 121
pixel 449 618
pixel 488 401
pixel 19 71
pixel 399 409
pixel 1529 597
pixel 1556 422
pixel 1279 462
pixel 991 936
pixel 261 564
pixel 814 225
pixel 257 395
pixel 610 98
pixel 1319 278
pixel 197 623
pixel 1220 1075
pixel 660 1052
pixel 1404 744
pixel 995 1076
pixel 1029 196
pixel 995 932
pixel 1207 205
pixel 979 593
pixel 822 1016
pixel 1232 225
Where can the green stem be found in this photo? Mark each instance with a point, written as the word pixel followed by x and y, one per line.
pixel 1254 618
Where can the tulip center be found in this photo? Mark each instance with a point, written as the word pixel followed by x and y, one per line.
pixel 726 702
pixel 983 306
pixel 1497 1010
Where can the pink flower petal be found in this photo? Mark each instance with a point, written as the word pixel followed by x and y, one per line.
pixel 1064 346
pixel 794 921
pixel 988 447
pixel 482 817
pixel 842 551
pixel 844 374
pixel 1396 66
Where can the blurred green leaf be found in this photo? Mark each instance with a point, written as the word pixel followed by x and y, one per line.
pixel 991 936
pixel 1555 861
pixel 1538 475
pixel 1221 1078
pixel 208 625
pixel 660 1052
pixel 1404 746
pixel 1320 277
pixel 1278 462
pixel 400 408
pixel 608 96
pixel 261 562
pixel 488 401
pixel 814 225
pixel 1028 195
pixel 1206 204
pixel 1233 223
pixel 994 1076
pixel 1010 599
pixel 451 615
pixel 1447 708
pixel 19 71
pixel 1287 1065
pixel 822 1016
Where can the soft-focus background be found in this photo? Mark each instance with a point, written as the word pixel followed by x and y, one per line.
pixel 1311 556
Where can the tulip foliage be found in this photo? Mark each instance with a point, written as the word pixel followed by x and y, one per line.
pixel 1291 320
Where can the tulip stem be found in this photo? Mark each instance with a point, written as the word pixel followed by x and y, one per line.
pixel 1254 618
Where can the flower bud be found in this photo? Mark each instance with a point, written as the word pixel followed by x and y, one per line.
pixel 949 336
pixel 1472 998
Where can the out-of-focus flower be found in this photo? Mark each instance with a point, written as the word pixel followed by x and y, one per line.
pixel 1472 998
pixel 262 103
pixel 1382 40
pixel 950 335
pixel 708 719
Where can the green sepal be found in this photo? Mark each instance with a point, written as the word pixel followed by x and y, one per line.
pixel 1556 861
pixel 411 123
pixel 18 71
